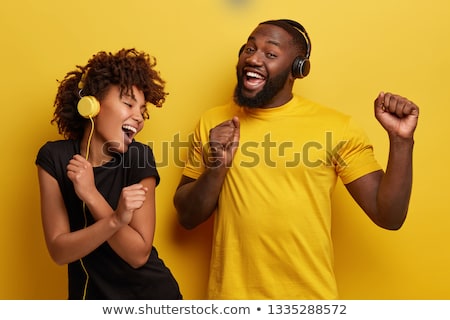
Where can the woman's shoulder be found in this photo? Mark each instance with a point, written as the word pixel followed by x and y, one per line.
pixel 53 156
pixel 60 146
pixel 58 149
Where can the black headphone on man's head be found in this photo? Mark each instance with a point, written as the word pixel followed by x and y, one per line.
pixel 301 65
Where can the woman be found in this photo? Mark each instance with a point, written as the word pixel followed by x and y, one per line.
pixel 98 185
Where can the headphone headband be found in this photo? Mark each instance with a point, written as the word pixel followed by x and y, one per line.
pixel 291 27
pixel 88 106
pixel 301 65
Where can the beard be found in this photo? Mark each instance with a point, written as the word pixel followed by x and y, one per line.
pixel 265 96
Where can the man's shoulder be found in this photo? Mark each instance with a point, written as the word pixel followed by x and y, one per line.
pixel 227 107
pixel 320 111
pixel 220 113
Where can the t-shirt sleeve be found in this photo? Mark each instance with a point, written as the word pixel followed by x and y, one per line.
pixel 194 166
pixel 44 160
pixel 143 162
pixel 356 156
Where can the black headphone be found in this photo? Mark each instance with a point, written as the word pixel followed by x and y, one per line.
pixel 301 65
pixel 88 106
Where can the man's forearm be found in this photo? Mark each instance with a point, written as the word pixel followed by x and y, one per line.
pixel 197 200
pixel 395 187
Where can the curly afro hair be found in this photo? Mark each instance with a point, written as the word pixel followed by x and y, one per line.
pixel 126 68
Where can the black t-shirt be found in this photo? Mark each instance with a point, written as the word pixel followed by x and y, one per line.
pixel 109 276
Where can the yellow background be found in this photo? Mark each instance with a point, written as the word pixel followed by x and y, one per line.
pixel 358 49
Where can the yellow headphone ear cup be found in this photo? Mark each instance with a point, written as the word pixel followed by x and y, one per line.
pixel 88 106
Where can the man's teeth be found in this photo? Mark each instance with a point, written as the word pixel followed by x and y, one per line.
pixel 254 75
pixel 129 128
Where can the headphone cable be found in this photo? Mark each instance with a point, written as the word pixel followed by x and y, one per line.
pixel 84 209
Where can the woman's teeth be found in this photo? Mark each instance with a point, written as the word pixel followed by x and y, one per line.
pixel 129 128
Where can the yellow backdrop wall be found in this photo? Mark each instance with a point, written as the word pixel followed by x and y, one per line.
pixel 358 49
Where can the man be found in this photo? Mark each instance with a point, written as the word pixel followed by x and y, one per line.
pixel 267 164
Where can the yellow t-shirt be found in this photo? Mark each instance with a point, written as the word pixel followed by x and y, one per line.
pixel 272 229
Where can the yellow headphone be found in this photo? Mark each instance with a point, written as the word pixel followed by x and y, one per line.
pixel 88 106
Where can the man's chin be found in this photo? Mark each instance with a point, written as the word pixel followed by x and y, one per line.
pixel 246 98
pixel 249 102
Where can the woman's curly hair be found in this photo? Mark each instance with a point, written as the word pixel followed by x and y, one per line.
pixel 126 68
